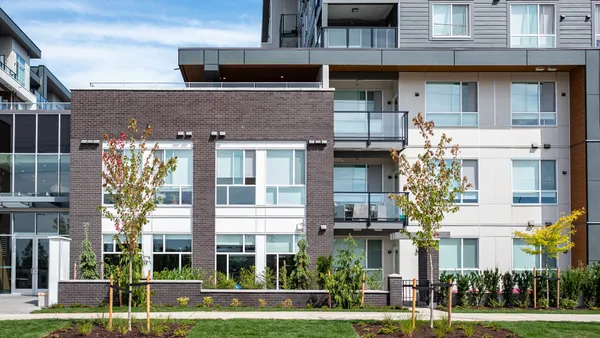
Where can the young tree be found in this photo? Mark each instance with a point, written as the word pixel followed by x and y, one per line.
pixel 132 176
pixel 551 240
pixel 346 279
pixel 87 259
pixel 302 261
pixel 434 182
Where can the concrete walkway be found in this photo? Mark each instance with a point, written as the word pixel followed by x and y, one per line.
pixel 312 315
pixel 16 304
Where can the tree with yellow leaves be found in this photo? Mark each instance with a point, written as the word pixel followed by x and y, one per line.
pixel 551 240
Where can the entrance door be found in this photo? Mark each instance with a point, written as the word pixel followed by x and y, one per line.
pixel 30 262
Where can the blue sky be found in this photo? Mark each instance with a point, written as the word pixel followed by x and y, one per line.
pixel 84 41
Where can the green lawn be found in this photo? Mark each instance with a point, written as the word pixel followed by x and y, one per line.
pixel 552 329
pixel 519 310
pixel 30 328
pixel 198 309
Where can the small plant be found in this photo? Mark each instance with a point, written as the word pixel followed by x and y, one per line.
pixel 262 303
pixel 324 264
pixel 439 331
pixel 308 306
pixel 78 306
pixel 183 301
pixel 542 303
pixel 87 259
pixel 56 306
pixel 462 287
pixel 85 328
pixel 120 326
pixel 180 332
pixel 407 328
pixel 287 304
pixel 485 335
pixel 387 320
pixel 217 306
pixel 300 275
pixel 496 304
pixel 491 278
pixel 368 335
pixel 158 329
pixel 508 283
pixel 235 303
pixel 207 302
pixel 568 304
pixel 478 288
pixel 468 330
pixel 388 329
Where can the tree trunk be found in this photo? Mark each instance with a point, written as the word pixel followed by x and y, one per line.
pixel 130 291
pixel 430 288
pixel 547 282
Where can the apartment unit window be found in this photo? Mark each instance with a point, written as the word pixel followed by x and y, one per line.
pixel 286 177
pixel 532 26
pixel 533 103
pixel 21 69
pixel 235 252
pixel 534 182
pixel 525 261
pixel 350 178
pixel 597 25
pixel 451 20
pixel 372 248
pixel 469 169
pixel 451 103
pixel 170 252
pixel 236 177
pixel 280 252
pixel 111 248
pixel 177 189
pixel 459 255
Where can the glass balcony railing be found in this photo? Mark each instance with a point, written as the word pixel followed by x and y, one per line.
pixel 366 207
pixel 370 126
pixel 184 85
pixel 35 106
pixel 169 195
pixel 358 37
pixel 12 74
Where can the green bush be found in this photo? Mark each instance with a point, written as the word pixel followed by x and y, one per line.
pixel 477 288
pixel 324 265
pixel 300 276
pixel 346 279
pixel 186 273
pixel 508 283
pixel 591 285
pixel 571 283
pixel 445 277
pixel 568 304
pixel 524 281
pixel 462 286
pixel 491 279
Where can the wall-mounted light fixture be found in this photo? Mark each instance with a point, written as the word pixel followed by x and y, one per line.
pixel 547 146
pixel 188 134
pixel 355 10
pixel 90 142
pixel 530 224
pixel 552 69
pixel 534 146
pixel 218 134
pixel 323 227
pixel 317 142
pixel 540 69
pixel 562 17
pixel 180 134
pixel 547 223
pixel 588 18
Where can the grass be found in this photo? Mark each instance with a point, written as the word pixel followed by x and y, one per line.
pixel 272 328
pixel 552 329
pixel 520 310
pixel 30 328
pixel 202 309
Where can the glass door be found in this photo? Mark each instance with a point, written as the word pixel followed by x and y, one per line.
pixel 30 262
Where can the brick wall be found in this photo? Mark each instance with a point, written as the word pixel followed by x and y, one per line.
pixel 424 272
pixel 243 115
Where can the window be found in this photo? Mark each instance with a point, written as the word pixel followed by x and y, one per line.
pixel 20 70
pixel 525 261
pixel 532 185
pixel 47 135
pixel 597 25
pixel 235 252
pixel 372 248
pixel 533 104
pixel 177 189
pixel 285 177
pixel 451 103
pixel 350 178
pixel 111 249
pixel 171 252
pixel 451 20
pixel 236 177
pixel 469 169
pixel 532 26
pixel 459 255
pixel 280 252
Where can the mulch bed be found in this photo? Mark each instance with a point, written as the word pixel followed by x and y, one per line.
pixel 101 331
pixel 423 331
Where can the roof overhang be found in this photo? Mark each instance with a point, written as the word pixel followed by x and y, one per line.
pixel 9 28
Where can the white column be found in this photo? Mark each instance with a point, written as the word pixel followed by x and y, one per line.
pixel 324 75
pixel 409 259
pixel 58 265
pixel 260 259
pixel 147 249
pixel 261 177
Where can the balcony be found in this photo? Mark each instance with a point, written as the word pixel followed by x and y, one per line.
pixel 288 31
pixel 358 37
pixel 35 106
pixel 208 85
pixel 389 129
pixel 12 80
pixel 367 208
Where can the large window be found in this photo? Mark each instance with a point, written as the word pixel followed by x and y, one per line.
pixel 21 69
pixel 111 248
pixel 350 178
pixel 286 177
pixel 534 182
pixel 451 103
pixel 372 248
pixel 280 252
pixel 177 189
pixel 459 255
pixel 533 103
pixel 235 252
pixel 470 170
pixel 532 26
pixel 525 261
pixel 236 177
pixel 451 20
pixel 170 252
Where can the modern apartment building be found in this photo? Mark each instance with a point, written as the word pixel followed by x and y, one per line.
pixel 34 162
pixel 293 139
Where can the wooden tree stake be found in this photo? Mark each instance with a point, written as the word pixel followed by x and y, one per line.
pixel 119 284
pixel 75 271
pixel 558 288
pixel 110 303
pixel 534 288
pixel 450 303
pixel 148 302
pixel 329 293
pixel 362 300
pixel 414 303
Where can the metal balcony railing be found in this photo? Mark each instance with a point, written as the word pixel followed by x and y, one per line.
pixel 366 207
pixel 11 73
pixel 184 85
pixel 370 126
pixel 358 37
pixel 35 106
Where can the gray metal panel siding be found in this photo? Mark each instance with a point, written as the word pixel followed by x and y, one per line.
pixel 211 57
pixel 231 57
pixel 557 57
pixel 276 57
pixel 430 58
pixel 191 57
pixel 485 58
pixel 575 31
pixel 489 25
pixel 345 57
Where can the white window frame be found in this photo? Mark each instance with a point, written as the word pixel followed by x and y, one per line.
pixel 173 253
pixel 452 4
pixel 243 253
pixel 539 112
pixel 539 191
pixel 367 239
pixel 295 239
pixel 293 185
pixel 243 184
pixel 460 198
pixel 21 69
pixel 462 268
pixel 461 113
pixel 596 26
pixel 538 35
pixel 538 259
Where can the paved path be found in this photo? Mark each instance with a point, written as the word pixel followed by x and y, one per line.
pixel 16 304
pixel 424 314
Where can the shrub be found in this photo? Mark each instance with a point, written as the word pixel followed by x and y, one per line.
pixel 568 304
pixel 443 290
pixel 183 301
pixel 591 285
pixel 85 328
pixel 301 263
pixel 374 280
pixel 491 278
pixel 477 288
pixel 496 304
pixel 308 306
pixel 468 329
pixel 262 303
pixel 542 303
pixel 462 286
pixel 508 284
pixel 524 281
pixel 185 273
pixel 249 280
pixel 283 277
pixel 207 302
pixel 287 304
pixel 235 303
pixel 406 327
pixel 571 283
pixel 181 332
pixel 324 265
pixel 87 259
pixel 346 280
pixel 388 329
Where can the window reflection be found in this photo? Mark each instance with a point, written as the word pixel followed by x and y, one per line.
pixel 24 174
pixel 25 133
pixel 5 172
pixel 47 135
pixel 47 175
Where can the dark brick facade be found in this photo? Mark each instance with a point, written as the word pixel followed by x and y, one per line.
pixel 424 273
pixel 244 115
